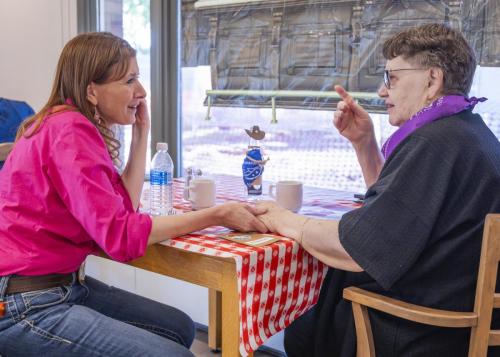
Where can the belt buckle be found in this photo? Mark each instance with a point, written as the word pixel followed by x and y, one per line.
pixel 81 273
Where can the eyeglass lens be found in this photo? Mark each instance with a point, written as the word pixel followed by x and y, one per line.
pixel 387 80
pixel 387 77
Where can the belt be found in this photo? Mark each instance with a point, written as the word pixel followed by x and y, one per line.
pixel 22 284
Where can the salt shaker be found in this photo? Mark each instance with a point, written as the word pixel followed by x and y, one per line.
pixel 189 177
pixel 190 174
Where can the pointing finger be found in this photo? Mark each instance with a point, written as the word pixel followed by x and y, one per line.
pixel 349 102
pixel 343 93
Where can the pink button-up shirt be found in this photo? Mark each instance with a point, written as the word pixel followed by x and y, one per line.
pixel 61 199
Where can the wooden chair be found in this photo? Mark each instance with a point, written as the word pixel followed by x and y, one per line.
pixel 479 320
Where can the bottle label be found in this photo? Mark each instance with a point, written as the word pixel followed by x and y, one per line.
pixel 160 177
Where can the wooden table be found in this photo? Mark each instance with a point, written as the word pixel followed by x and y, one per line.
pixel 218 273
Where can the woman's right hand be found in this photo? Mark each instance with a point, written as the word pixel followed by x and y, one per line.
pixel 142 122
pixel 235 215
pixel 351 120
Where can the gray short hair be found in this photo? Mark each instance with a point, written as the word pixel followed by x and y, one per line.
pixel 436 45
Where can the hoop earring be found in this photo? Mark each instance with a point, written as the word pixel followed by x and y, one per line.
pixel 97 116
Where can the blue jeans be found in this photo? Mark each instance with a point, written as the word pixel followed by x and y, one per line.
pixel 93 319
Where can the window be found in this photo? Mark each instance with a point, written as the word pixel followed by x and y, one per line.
pixel 303 144
pixel 230 45
pixel 130 19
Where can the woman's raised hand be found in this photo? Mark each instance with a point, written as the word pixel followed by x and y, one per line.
pixel 351 119
pixel 142 121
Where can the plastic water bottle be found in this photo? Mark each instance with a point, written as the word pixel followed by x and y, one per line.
pixel 161 175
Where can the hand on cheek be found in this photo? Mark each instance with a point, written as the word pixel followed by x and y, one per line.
pixel 142 116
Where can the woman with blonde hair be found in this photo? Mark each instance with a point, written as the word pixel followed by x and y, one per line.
pixel 63 199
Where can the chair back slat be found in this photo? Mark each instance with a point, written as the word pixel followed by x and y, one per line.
pixel 486 299
pixel 496 301
pixel 494 339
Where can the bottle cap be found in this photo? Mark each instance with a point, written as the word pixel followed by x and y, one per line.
pixel 161 146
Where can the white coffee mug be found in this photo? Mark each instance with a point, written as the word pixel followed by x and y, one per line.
pixel 201 193
pixel 288 194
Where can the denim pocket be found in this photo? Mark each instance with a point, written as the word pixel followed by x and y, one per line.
pixel 42 298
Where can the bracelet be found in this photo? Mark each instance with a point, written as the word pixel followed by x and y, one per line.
pixel 302 229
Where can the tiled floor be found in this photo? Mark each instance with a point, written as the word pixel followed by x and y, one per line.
pixel 200 347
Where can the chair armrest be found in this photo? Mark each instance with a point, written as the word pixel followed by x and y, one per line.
pixel 410 312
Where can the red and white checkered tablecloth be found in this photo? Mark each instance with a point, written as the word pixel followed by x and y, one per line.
pixel 276 283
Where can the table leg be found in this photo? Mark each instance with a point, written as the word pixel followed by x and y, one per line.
pixel 214 320
pixel 230 312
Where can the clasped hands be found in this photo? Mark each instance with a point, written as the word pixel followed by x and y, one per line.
pixel 264 216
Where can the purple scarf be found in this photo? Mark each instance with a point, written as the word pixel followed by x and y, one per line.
pixel 440 108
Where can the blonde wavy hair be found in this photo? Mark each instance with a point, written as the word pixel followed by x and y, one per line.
pixel 98 57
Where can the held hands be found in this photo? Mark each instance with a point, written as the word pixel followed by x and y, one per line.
pixel 351 120
pixel 241 217
pixel 280 220
pixel 270 217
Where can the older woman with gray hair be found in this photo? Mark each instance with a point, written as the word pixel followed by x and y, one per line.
pixel 418 235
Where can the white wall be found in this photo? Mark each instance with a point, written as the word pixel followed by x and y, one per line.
pixel 32 34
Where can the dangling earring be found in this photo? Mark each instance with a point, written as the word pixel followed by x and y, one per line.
pixel 97 116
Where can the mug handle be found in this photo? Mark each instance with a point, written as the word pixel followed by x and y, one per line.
pixel 271 190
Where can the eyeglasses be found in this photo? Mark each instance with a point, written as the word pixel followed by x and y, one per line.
pixel 387 77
